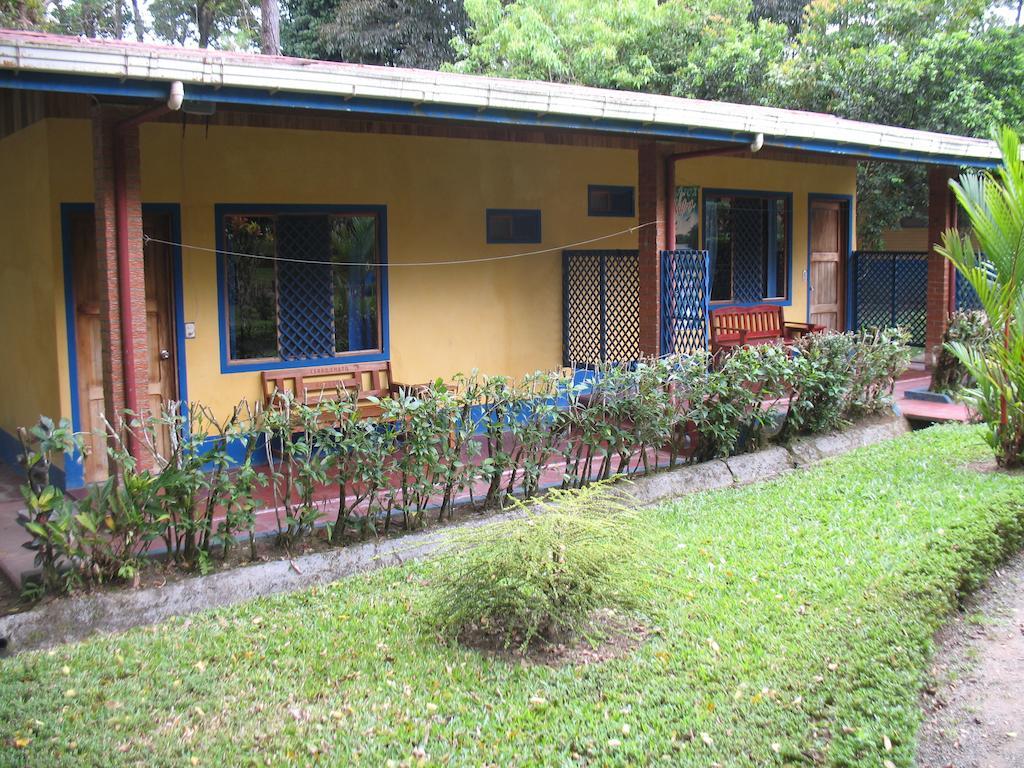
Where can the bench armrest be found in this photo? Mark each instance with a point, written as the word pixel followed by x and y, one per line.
pixel 802 328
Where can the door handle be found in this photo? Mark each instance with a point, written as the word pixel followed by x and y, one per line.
pixel 165 355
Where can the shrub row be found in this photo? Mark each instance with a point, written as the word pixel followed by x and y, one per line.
pixel 432 444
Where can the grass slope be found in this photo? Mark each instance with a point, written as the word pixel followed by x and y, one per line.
pixel 793 627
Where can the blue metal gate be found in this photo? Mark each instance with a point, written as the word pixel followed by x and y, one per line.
pixel 685 296
pixel 600 307
pixel 890 288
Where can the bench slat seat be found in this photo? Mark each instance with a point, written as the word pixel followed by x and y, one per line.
pixel 733 327
pixel 320 384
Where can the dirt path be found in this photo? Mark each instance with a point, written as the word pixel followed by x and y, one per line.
pixel 974 713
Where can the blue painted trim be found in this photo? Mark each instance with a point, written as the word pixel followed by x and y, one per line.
pixel 848 319
pixel 74 467
pixel 531 215
pixel 226 364
pixel 157 90
pixel 781 302
pixel 612 189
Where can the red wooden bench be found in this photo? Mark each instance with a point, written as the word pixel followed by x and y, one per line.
pixel 327 383
pixel 733 327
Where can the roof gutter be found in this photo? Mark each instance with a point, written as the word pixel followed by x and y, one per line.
pixel 126 315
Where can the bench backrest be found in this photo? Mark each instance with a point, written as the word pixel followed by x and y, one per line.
pixel 761 322
pixel 324 383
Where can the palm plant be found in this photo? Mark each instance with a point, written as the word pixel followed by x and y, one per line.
pixel 991 259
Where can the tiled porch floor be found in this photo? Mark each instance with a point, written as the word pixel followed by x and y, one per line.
pixel 15 559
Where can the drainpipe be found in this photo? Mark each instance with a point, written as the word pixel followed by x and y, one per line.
pixel 175 98
pixel 670 178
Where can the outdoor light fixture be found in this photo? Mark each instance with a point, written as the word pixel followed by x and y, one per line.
pixel 176 96
pixel 757 143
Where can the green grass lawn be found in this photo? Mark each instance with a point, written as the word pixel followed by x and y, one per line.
pixel 793 627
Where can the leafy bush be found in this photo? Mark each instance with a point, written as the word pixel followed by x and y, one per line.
pixel 971 329
pixel 427 446
pixel 994 204
pixel 821 383
pixel 542 577
pixel 878 357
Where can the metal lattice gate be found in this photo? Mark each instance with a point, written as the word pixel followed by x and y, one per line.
pixel 600 307
pixel 685 295
pixel 891 288
pixel 966 297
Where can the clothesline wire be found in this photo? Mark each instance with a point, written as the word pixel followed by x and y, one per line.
pixel 452 262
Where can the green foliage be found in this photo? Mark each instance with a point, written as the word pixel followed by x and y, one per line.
pixel 415 33
pixel 542 577
pixel 432 442
pixel 821 591
pixel 91 18
pixel 21 14
pixel 969 328
pixel 879 356
pixel 208 23
pixel 994 204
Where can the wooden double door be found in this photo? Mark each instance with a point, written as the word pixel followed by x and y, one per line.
pixel 826 271
pixel 162 386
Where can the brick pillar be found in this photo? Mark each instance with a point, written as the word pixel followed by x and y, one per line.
pixel 651 207
pixel 941 216
pixel 116 152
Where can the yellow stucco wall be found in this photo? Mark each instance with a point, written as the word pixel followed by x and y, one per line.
pixel 33 353
pixel 798 178
pixel 502 317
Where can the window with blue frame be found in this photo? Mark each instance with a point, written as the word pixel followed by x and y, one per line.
pixel 608 200
pixel 748 239
pixel 513 225
pixel 301 286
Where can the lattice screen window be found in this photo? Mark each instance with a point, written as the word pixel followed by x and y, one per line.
pixel 749 242
pixel 302 286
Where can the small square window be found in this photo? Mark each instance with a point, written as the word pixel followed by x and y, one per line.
pixel 513 226
pixel 605 200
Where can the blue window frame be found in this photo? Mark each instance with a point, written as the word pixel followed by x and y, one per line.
pixel 513 225
pixel 609 200
pixel 301 285
pixel 749 239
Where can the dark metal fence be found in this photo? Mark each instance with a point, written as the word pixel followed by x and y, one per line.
pixel 600 307
pixel 891 288
pixel 966 296
pixel 685 294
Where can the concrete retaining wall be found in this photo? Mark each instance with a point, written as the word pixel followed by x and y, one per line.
pixel 72 619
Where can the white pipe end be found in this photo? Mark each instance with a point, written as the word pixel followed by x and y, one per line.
pixel 176 96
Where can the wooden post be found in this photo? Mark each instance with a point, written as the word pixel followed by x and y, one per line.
pixel 651 207
pixel 941 278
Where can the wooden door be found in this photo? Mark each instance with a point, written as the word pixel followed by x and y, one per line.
pixel 163 368
pixel 827 265
pixel 85 283
pixel 163 384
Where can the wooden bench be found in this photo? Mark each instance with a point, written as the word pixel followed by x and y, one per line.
pixel 733 327
pixel 327 383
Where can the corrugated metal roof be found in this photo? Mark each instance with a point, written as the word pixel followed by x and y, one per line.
pixel 104 66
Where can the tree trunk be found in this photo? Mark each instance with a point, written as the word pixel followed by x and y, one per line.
pixel 140 26
pixel 271 27
pixel 119 19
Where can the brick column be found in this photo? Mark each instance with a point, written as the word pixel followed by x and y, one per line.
pixel 651 195
pixel 116 153
pixel 941 216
